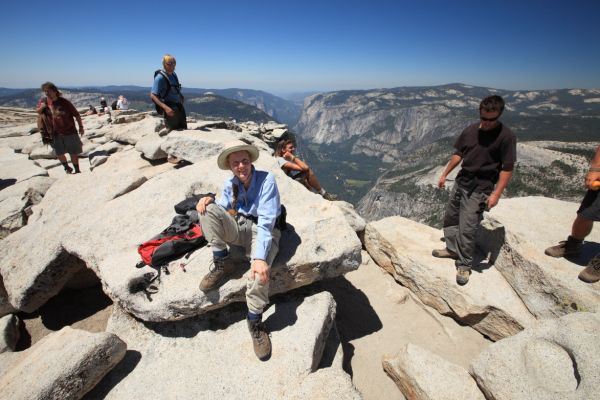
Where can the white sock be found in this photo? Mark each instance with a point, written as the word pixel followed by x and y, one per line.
pixel 322 192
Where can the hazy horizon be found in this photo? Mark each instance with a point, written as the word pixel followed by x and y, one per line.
pixel 304 46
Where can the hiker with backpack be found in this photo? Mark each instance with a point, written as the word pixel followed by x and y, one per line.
pixel 62 125
pixel 249 214
pixel 166 95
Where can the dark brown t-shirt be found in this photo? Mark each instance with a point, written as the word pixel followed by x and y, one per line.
pixel 484 154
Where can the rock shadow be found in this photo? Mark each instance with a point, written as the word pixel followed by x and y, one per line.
pixel 116 375
pixel 4 183
pixel 288 244
pixel 355 317
pixel 588 251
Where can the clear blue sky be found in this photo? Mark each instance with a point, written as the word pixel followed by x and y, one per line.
pixel 303 45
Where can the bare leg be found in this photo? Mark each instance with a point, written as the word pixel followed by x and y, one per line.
pixel 62 158
pixel 581 227
pixel 313 181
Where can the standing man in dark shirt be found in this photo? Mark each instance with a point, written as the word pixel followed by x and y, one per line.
pixel 488 151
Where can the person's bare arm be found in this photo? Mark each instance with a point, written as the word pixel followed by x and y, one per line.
pixel 593 174
pixel 168 110
pixel 454 161
pixel 503 180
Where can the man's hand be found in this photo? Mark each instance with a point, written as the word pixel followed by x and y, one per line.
pixel 81 131
pixel 442 182
pixel 288 156
pixel 169 111
pixel 205 201
pixel 261 268
pixel 493 200
pixel 590 178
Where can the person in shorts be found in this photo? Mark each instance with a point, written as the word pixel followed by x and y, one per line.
pixel 589 211
pixel 62 126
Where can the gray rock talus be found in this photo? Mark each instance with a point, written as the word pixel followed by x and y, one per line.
pixel 403 248
pixel 516 233
pixel 557 359
pixel 422 375
pixel 9 332
pixel 212 356
pixel 17 167
pixel 63 365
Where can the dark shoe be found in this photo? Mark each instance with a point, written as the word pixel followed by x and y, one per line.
pixel 68 170
pixel 77 171
pixel 591 273
pixel 566 248
pixel 462 276
pixel 218 274
pixel 444 253
pixel 260 339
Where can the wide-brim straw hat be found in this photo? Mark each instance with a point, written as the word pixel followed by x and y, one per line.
pixel 232 147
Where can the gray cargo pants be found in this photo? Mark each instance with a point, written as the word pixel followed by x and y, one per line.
pixel 464 212
pixel 221 229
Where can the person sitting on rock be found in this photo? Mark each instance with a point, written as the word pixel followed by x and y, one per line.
pixel 103 106
pixel 91 110
pixel 64 133
pixel 246 214
pixel 298 169
pixel 488 151
pixel 122 103
pixel 589 211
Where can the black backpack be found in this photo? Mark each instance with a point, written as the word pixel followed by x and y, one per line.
pixel 177 87
pixel 114 105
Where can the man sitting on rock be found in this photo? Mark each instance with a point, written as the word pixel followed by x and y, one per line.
pixel 244 215
pixel 488 152
pixel 589 211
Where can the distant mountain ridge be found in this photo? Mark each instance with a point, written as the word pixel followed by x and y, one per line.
pixel 277 108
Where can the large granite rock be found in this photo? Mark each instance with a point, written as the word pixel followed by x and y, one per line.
pixel 403 248
pixel 63 365
pixel 132 132
pixel 422 375
pixel 15 201
pixel 516 233
pixel 212 357
pixel 557 359
pixel 98 219
pixel 149 146
pixel 17 167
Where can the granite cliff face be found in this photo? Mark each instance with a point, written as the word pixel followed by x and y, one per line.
pixel 387 123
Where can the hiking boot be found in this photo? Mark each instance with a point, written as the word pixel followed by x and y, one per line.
pixel 462 276
pixel 218 273
pixel 260 339
pixel 68 169
pixel 76 166
pixel 566 248
pixel 329 196
pixel 591 273
pixel 444 253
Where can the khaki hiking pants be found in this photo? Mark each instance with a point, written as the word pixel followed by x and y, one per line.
pixel 221 229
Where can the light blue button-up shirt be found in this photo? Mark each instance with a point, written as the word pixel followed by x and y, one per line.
pixel 261 200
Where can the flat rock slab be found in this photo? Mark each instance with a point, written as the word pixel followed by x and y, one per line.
pixel 212 357
pixel 422 375
pixel 98 219
pixel 487 303
pixel 63 365
pixel 557 359
pixel 517 232
pixel 17 167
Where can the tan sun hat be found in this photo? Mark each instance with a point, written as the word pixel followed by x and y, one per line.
pixel 232 147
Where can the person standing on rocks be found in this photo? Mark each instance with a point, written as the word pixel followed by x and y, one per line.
pixel 64 133
pixel 589 211
pixel 166 94
pixel 247 215
pixel 488 151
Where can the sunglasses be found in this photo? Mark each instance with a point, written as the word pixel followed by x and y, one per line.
pixel 488 119
pixel 170 64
